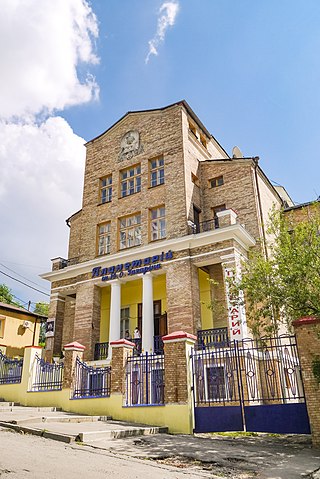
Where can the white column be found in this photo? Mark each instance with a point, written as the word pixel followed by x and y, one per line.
pixel 115 312
pixel 147 314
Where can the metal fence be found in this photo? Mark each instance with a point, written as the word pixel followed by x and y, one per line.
pixel 101 351
pixel 145 380
pixel 216 337
pixel 91 382
pixel 46 376
pixel 10 370
pixel 251 371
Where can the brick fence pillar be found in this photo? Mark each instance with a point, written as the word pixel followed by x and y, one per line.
pixel 121 349
pixel 308 340
pixel 71 352
pixel 177 349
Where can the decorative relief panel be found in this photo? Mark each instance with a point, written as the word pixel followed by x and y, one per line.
pixel 130 145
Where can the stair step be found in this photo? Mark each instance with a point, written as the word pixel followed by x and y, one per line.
pixel 120 433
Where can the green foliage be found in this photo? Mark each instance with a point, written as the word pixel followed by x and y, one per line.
pixel 286 286
pixel 6 295
pixel 42 309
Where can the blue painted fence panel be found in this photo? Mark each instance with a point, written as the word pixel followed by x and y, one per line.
pixel 218 419
pixel 278 418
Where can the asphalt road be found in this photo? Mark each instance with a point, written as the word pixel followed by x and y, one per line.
pixel 26 456
pixel 160 456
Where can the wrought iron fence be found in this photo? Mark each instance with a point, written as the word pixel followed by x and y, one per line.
pixel 10 370
pixel 138 345
pixel 216 337
pixel 204 226
pixel 90 381
pixel 47 376
pixel 158 344
pixel 145 380
pixel 263 371
pixel 101 351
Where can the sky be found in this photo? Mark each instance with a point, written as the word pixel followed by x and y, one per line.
pixel 71 68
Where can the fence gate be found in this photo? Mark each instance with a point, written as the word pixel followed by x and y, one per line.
pixel 251 385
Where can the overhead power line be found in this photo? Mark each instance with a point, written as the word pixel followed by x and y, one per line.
pixel 20 275
pixel 25 284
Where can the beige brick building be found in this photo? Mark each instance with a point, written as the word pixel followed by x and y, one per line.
pixel 165 209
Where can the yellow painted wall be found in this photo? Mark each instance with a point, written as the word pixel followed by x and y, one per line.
pixel 12 333
pixel 177 417
pixel 159 291
pixel 205 298
pixel 131 296
pixel 105 314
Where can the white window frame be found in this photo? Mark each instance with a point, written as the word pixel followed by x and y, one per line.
pixel 130 181
pixel 158 227
pixel 130 231
pixel 156 171
pixel 104 238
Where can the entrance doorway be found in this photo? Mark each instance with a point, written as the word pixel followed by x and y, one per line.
pixel 159 322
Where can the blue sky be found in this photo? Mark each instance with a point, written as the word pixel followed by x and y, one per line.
pixel 249 69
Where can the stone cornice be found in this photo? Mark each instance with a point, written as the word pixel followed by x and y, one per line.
pixel 233 232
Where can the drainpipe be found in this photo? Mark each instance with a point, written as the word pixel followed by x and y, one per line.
pixel 256 162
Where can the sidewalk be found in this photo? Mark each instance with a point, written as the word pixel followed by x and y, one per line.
pixel 263 456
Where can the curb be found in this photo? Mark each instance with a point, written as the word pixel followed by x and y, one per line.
pixel 55 436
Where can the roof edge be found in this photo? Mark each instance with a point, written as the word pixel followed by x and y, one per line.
pixel 182 103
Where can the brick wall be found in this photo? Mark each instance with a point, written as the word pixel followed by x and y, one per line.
pixel 308 340
pixel 176 353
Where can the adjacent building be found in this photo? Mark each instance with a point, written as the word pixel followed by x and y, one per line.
pixel 18 328
pixel 166 216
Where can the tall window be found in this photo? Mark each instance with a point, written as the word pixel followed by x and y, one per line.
pixel 130 180
pixel 130 231
pixel 124 321
pixel 104 231
pixel 158 223
pixel 106 189
pixel 156 171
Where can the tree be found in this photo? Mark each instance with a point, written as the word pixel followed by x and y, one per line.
pixel 6 295
pixel 285 286
pixel 43 310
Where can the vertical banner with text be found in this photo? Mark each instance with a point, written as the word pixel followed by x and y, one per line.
pixel 236 311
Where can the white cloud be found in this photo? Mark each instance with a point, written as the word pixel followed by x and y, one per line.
pixel 43 47
pixel 167 16
pixel 42 44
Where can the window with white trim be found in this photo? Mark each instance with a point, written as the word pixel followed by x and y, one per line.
pixel 130 180
pixel 104 233
pixel 130 231
pixel 106 189
pixel 158 223
pixel 156 171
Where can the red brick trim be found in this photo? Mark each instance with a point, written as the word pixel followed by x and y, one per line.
pixel 122 342
pixel 306 321
pixel 179 335
pixel 75 345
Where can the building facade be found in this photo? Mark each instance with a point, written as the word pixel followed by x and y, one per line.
pixel 166 216
pixel 19 328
